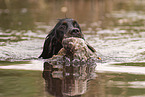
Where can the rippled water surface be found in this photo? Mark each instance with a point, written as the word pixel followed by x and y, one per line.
pixel 115 28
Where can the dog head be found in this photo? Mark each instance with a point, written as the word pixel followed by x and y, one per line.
pixel 64 28
pixel 67 28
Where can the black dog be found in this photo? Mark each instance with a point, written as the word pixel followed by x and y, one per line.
pixel 53 42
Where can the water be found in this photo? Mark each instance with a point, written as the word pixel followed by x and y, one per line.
pixel 115 28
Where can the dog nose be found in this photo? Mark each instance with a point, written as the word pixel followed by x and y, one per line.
pixel 75 31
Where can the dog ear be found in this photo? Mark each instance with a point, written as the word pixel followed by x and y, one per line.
pixel 51 45
pixel 47 47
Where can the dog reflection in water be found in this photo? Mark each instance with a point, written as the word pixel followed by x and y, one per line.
pixel 67 73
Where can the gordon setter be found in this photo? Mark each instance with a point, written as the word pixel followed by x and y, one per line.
pixel 64 28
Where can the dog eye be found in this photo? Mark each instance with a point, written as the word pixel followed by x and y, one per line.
pixel 75 24
pixel 63 27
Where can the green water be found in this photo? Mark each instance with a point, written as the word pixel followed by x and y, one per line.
pixel 5 63
pixel 131 64
pixel 117 85
pixel 22 83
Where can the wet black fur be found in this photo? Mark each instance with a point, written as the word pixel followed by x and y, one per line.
pixel 53 42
